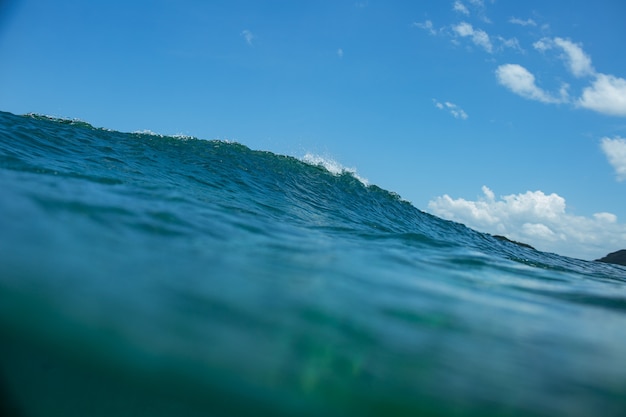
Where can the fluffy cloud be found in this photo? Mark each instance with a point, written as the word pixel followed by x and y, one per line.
pixel 454 110
pixel 520 81
pixel 604 94
pixel 478 37
pixel 577 60
pixel 607 94
pixel 536 218
pixel 615 151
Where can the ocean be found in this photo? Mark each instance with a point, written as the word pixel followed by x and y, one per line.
pixel 149 275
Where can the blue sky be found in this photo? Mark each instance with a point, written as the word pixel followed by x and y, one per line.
pixel 507 116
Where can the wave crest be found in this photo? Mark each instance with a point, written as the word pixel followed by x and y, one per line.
pixel 332 166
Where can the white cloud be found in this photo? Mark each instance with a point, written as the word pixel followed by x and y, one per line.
pixel 606 217
pixel 427 26
pixel 538 219
pixel 479 37
pixel 464 29
pixel 579 62
pixel 539 230
pixel 607 94
pixel 479 6
pixel 248 36
pixel 454 110
pixel 460 8
pixel 527 22
pixel 542 45
pixel 512 43
pixel 615 151
pixel 340 53
pixel 520 81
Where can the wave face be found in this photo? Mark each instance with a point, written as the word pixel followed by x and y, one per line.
pixel 165 276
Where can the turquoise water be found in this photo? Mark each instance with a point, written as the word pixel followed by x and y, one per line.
pixel 143 275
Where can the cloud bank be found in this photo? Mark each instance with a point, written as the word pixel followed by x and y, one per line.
pixel 535 217
pixel 540 219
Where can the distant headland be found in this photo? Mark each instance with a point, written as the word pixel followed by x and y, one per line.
pixel 526 245
pixel 618 258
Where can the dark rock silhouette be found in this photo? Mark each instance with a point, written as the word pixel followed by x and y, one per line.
pixel 526 245
pixel 618 258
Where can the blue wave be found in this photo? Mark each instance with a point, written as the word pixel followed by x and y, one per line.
pixel 143 274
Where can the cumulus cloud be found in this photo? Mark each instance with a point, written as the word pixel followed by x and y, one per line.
pixel 615 151
pixel 248 36
pixel 479 37
pixel 522 82
pixel 454 110
pixel 607 94
pixel 539 219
